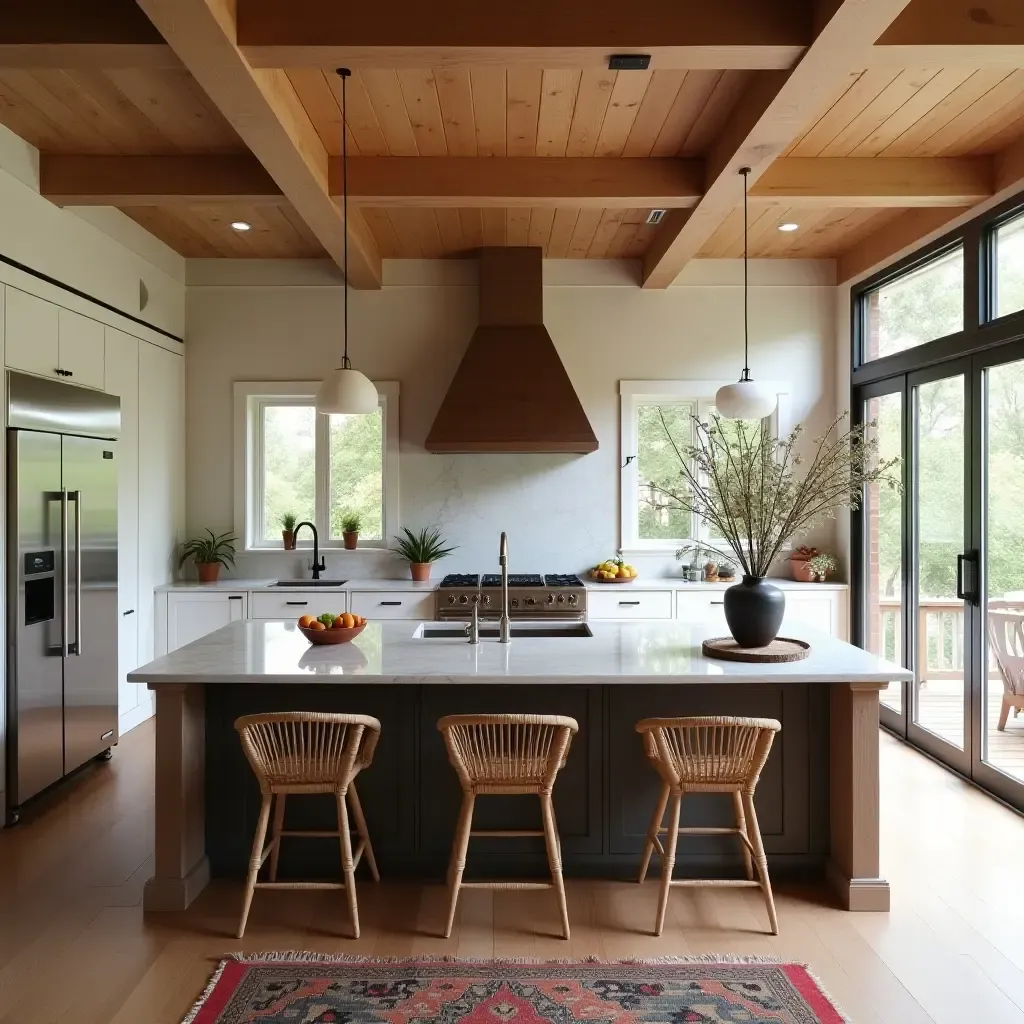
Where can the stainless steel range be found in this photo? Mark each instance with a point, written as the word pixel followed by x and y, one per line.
pixel 531 596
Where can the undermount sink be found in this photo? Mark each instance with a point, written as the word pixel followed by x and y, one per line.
pixel 303 584
pixel 489 631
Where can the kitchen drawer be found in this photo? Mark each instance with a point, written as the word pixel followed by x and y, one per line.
pixel 393 604
pixel 293 603
pixel 708 606
pixel 622 602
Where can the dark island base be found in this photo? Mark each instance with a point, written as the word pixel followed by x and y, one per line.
pixel 603 797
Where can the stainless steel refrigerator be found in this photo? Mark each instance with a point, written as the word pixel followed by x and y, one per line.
pixel 61 581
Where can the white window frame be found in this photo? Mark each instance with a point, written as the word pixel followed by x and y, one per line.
pixel 250 398
pixel 701 393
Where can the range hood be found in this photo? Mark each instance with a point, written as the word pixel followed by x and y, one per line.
pixel 511 392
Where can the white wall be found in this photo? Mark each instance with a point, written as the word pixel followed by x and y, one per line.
pixel 561 511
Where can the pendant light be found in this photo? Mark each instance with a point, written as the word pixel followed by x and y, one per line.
pixel 746 399
pixel 345 391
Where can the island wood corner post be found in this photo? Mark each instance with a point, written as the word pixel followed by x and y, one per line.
pixel 853 866
pixel 182 869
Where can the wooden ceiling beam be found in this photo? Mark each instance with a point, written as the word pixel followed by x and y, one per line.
pixel 264 109
pixel 775 108
pixel 831 182
pixel 71 34
pixel 685 34
pixel 954 33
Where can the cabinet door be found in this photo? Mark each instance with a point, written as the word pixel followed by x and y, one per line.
pixel 31 329
pixel 80 348
pixel 194 615
pixel 815 610
pixel 161 478
pixel 397 604
pixel 621 601
pixel 293 603
pixel 704 606
pixel 122 379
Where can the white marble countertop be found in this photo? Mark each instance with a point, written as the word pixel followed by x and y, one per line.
pixel 267 584
pixel 266 651
pixel 676 583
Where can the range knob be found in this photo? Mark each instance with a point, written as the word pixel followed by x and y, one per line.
pixel 530 600
pixel 464 599
pixel 561 598
pixel 573 599
pixel 485 600
pixel 551 598
pixel 514 602
pixel 451 599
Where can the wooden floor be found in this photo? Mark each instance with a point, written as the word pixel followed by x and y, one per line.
pixel 76 949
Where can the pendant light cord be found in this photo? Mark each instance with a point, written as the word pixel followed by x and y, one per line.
pixel 746 289
pixel 343 74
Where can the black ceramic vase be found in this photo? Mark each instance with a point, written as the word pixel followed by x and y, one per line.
pixel 753 611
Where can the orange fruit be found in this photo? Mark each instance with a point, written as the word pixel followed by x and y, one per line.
pixel 307 620
pixel 316 625
pixel 349 620
pixel 339 622
pixel 360 621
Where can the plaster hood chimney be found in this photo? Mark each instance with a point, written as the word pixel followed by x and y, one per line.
pixel 511 393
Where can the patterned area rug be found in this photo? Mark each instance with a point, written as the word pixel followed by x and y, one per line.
pixel 308 989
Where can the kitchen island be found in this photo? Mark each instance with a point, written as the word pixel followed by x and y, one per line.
pixel 817 799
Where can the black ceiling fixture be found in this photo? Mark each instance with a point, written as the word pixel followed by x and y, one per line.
pixel 629 62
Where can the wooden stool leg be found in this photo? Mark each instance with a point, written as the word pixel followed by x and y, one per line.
pixel 652 831
pixel 1004 713
pixel 275 834
pixel 668 862
pixel 364 834
pixel 347 863
pixel 460 845
pixel 760 861
pixel 551 840
pixel 254 861
pixel 741 824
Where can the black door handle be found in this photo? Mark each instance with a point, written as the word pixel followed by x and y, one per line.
pixel 131 611
pixel 303 603
pixel 964 593
pixel 391 603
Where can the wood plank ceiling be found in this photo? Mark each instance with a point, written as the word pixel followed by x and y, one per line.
pixel 954 104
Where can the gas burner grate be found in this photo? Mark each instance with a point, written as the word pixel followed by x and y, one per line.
pixel 461 579
pixel 525 579
pixel 563 580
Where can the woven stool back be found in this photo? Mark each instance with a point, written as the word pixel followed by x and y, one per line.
pixel 507 753
pixel 311 751
pixel 709 754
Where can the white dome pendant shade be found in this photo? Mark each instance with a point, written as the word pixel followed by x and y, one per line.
pixel 344 391
pixel 746 399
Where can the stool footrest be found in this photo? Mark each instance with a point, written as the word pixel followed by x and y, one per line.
pixel 724 883
pixel 693 830
pixel 506 885
pixel 506 833
pixel 299 885
pixel 311 833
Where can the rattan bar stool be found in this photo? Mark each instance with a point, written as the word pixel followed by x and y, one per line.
pixel 503 754
pixel 297 752
pixel 707 755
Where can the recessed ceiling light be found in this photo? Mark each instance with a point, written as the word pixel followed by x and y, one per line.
pixel 240 225
pixel 788 226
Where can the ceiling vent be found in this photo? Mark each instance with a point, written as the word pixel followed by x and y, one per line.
pixel 655 216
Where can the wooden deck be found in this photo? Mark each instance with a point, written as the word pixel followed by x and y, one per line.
pixel 940 710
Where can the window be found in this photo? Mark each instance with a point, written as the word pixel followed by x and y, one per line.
pixel 1008 278
pixel 924 304
pixel 289 459
pixel 654 414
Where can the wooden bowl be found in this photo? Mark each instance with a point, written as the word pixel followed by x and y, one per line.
pixel 331 636
pixel 627 579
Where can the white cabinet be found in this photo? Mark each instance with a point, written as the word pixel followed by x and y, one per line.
pixel 51 341
pixel 392 604
pixel 702 606
pixel 621 601
pixel 821 609
pixel 32 333
pixel 122 379
pixel 194 614
pixel 161 477
pixel 293 603
pixel 80 349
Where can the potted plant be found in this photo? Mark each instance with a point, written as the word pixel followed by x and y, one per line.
pixel 209 553
pixel 351 524
pixel 820 566
pixel 422 550
pixel 759 492
pixel 726 572
pixel 288 521
pixel 798 567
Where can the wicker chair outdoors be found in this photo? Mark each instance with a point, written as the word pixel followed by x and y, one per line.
pixel 1006 637
pixel 295 753
pixel 503 754
pixel 707 755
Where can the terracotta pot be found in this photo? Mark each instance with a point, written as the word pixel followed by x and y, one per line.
pixel 288 538
pixel 351 540
pixel 209 572
pixel 800 570
pixel 420 571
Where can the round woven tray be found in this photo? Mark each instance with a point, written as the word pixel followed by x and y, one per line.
pixel 780 649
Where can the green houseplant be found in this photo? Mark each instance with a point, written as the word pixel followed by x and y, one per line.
pixel 351 524
pixel 209 553
pixel 421 550
pixel 820 566
pixel 288 521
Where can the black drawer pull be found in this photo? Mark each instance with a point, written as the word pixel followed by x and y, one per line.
pixel 131 611
pixel 628 602
pixel 718 602
pixel 392 603
pixel 303 603
pixel 235 597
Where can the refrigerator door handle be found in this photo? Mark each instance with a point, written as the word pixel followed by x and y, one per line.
pixel 65 575
pixel 76 497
